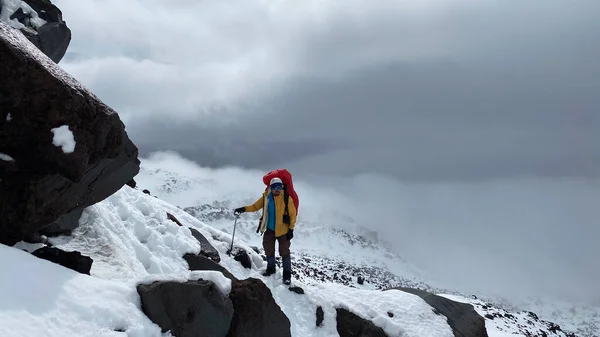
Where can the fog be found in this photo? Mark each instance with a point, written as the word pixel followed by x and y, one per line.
pixel 513 238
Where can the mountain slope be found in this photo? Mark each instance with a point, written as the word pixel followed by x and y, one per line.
pixel 131 240
pixel 322 252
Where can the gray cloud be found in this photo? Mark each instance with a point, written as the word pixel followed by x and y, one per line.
pixel 462 90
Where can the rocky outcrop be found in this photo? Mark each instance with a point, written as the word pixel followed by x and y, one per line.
pixel 61 148
pixel 42 23
pixel 256 312
pixel 190 309
pixel 206 248
pixel 351 325
pixel 72 260
pixel 462 317
pixel 199 262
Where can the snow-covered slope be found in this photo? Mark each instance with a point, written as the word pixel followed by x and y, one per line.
pixel 325 251
pixel 132 241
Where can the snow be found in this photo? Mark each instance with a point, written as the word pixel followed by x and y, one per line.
pixel 63 137
pixel 11 6
pixel 132 241
pixel 5 157
pixel 40 298
pixel 412 316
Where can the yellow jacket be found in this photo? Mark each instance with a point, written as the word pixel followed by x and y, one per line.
pixel 280 227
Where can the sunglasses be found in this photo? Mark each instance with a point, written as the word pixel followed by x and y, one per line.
pixel 277 188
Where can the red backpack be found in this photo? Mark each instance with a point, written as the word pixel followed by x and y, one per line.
pixel 288 186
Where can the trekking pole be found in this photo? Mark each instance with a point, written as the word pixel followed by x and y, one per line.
pixel 233 236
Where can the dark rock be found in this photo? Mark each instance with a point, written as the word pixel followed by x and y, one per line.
pixel 44 182
pixel 462 317
pixel 255 311
pixel 320 315
pixel 53 37
pixel 351 325
pixel 146 191
pixel 488 316
pixel 361 280
pixel 174 219
pixel 390 314
pixel 254 248
pixel 131 183
pixel 297 290
pixel 242 257
pixel 187 309
pixel 72 260
pixel 64 225
pixel 199 262
pixel 206 248
pixel 19 15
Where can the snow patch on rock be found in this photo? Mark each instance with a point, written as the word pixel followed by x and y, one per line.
pixel 63 137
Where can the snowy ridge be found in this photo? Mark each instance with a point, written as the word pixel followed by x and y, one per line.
pixel 503 323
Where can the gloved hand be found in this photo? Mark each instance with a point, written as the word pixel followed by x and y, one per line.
pixel 290 234
pixel 239 210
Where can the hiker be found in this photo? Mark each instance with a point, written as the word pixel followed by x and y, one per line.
pixel 277 224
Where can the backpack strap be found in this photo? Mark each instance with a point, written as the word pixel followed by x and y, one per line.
pixel 286 197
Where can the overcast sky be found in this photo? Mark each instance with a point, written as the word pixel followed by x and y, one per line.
pixel 422 90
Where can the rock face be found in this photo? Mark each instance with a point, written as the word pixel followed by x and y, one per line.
pixel 351 325
pixel 194 308
pixel 71 260
pixel 256 312
pixel 61 148
pixel 42 23
pixel 64 225
pixel 462 317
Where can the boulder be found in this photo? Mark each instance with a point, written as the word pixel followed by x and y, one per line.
pixel 42 23
pixel 351 325
pixel 72 260
pixel 462 317
pixel 190 309
pixel 199 262
pixel 255 311
pixel 206 248
pixel 61 148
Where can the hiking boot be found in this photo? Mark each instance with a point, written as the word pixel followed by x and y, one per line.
pixel 270 271
pixel 287 276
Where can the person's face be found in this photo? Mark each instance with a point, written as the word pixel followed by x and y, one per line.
pixel 276 190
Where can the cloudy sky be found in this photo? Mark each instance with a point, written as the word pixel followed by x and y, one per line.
pixel 452 99
pixel 421 90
